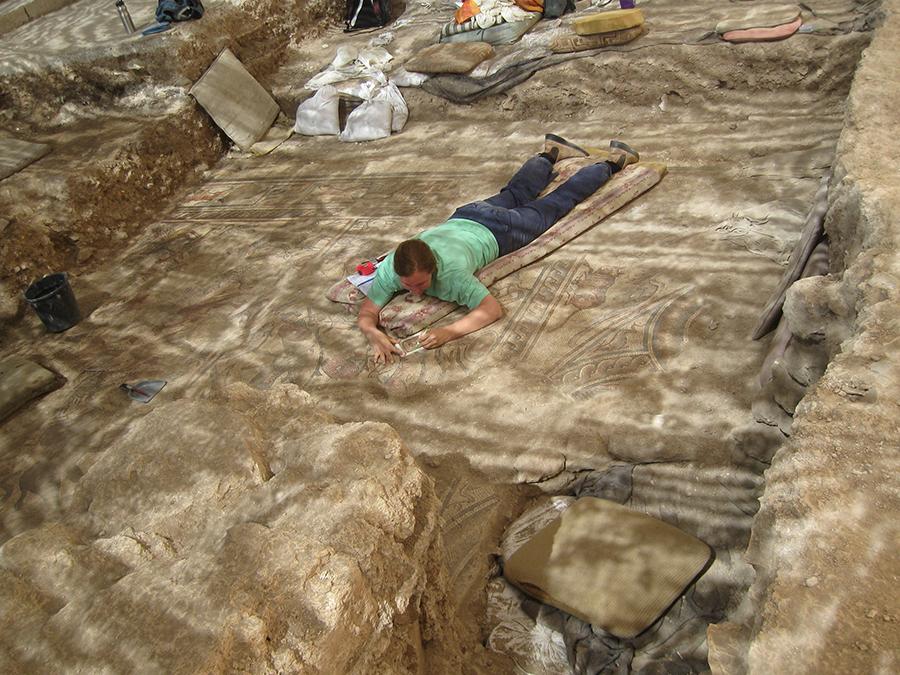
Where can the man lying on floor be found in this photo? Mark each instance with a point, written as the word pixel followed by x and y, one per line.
pixel 442 261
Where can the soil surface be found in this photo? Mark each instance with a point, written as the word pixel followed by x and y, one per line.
pixel 627 347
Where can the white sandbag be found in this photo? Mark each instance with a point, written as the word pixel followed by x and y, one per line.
pixel 318 115
pixel 371 120
pixel 365 88
pixel 352 63
pixel 374 58
pixel 400 111
pixel 344 56
pixel 403 78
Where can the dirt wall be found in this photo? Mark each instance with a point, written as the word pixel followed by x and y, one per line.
pixel 824 541
pixel 121 114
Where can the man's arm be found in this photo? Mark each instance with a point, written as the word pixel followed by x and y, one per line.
pixel 384 346
pixel 487 312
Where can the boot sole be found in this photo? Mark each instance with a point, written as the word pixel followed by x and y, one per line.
pixel 559 140
pixel 619 145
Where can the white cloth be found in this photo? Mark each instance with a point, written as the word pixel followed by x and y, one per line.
pixel 493 12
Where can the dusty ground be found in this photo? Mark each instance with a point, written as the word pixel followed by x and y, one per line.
pixel 627 347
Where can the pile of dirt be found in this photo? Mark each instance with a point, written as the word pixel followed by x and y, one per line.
pixel 282 539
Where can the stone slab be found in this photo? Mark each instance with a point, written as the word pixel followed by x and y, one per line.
pixel 16 154
pixel 13 18
pixel 16 14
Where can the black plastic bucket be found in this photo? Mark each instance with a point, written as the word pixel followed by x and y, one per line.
pixel 54 302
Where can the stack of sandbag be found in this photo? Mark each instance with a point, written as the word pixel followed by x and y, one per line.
pixel 760 24
pixel 493 21
pixel 379 110
pixel 354 75
pixel 603 29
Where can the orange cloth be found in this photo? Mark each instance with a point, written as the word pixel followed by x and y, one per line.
pixel 469 9
pixel 531 5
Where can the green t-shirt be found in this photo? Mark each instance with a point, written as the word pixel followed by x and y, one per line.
pixel 461 247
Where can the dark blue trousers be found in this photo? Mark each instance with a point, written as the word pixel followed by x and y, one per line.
pixel 517 217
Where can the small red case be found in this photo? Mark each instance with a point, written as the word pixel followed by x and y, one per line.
pixel 366 268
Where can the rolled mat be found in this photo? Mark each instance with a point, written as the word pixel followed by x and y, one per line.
pixel 403 317
pixel 811 235
pixel 764 34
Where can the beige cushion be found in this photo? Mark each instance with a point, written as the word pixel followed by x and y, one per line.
pixel 765 16
pixel 578 43
pixel 450 57
pixel 608 565
pixel 606 22
pixel 22 380
pixel 238 104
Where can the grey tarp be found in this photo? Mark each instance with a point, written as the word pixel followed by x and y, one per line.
pixel 668 22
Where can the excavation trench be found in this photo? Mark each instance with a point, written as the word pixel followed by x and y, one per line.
pixel 622 369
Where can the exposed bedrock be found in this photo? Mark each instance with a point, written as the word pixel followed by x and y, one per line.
pixel 817 318
pixel 824 541
pixel 279 542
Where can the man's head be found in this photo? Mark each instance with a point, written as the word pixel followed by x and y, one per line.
pixel 415 264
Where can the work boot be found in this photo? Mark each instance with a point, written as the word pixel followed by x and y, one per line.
pixel 622 154
pixel 550 155
pixel 563 147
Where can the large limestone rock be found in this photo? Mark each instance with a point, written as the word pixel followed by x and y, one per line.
pixel 815 310
pixel 250 534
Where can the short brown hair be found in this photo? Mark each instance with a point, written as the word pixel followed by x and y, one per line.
pixel 414 255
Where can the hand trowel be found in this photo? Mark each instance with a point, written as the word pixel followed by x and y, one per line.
pixel 143 391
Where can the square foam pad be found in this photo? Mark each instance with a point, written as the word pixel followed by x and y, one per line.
pixel 608 565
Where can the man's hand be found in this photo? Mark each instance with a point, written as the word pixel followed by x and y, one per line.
pixel 485 314
pixel 435 337
pixel 383 346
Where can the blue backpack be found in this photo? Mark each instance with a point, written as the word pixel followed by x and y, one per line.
pixel 169 11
